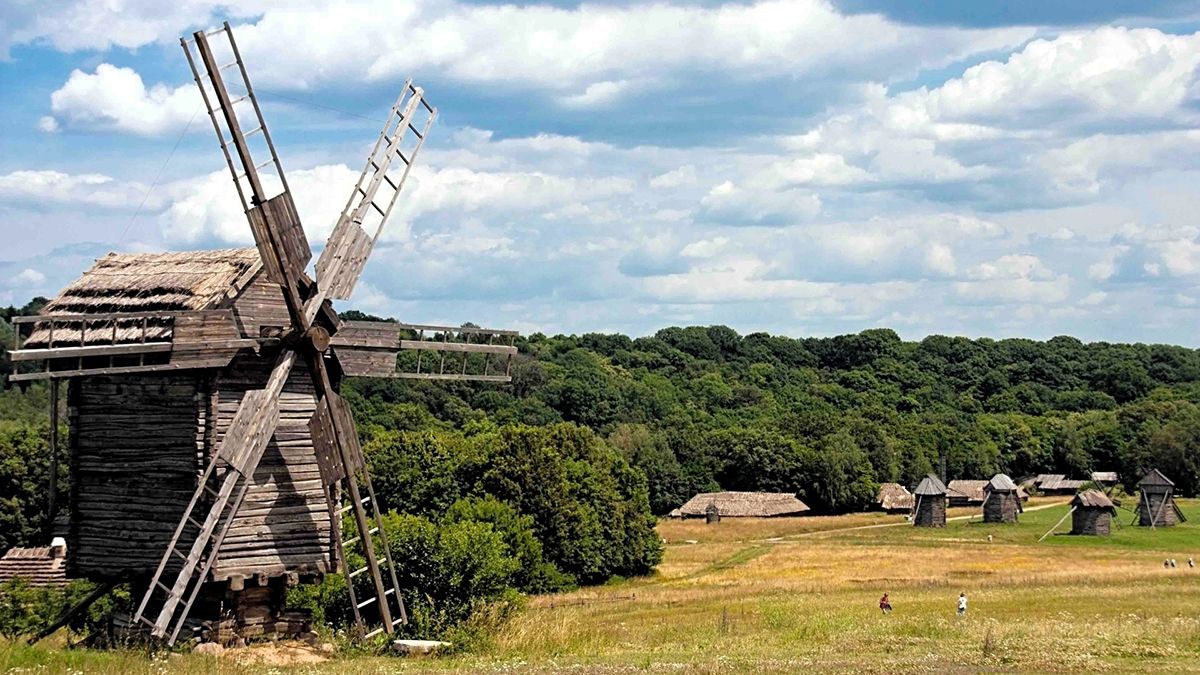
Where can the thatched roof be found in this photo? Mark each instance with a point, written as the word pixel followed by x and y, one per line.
pixel 1093 499
pixel 894 497
pixel 1001 483
pixel 1155 478
pixel 150 282
pixel 1104 476
pixel 930 486
pixel 35 565
pixel 1056 481
pixel 745 504
pixel 971 490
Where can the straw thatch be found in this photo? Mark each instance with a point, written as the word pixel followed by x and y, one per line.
pixel 1104 477
pixel 894 497
pixel 1057 484
pixel 146 282
pixel 1092 514
pixel 40 566
pixel 744 504
pixel 965 492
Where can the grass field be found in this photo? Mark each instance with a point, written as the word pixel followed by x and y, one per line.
pixel 800 595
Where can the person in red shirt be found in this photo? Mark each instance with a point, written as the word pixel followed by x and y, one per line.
pixel 885 605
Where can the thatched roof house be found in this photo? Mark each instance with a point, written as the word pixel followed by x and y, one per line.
pixel 1105 478
pixel 40 566
pixel 894 498
pixel 930 507
pixel 1157 507
pixel 1092 513
pixel 1002 500
pixel 1057 484
pixel 965 492
pixel 744 505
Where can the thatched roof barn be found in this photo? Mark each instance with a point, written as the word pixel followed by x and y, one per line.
pixel 894 498
pixel 930 507
pixel 1157 507
pixel 40 566
pixel 1002 500
pixel 744 505
pixel 1057 484
pixel 965 492
pixel 1092 513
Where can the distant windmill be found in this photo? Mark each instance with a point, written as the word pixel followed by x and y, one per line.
pixel 210 450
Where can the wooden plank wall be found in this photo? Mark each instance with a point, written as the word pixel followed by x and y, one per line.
pixel 261 305
pixel 283 525
pixel 135 442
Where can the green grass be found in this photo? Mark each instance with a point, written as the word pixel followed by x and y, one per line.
pixel 800 595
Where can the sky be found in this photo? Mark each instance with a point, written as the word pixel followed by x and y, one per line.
pixel 802 167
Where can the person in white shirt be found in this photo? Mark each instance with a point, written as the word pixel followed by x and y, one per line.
pixel 962 604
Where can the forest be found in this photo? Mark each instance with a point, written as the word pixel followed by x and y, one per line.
pixel 553 481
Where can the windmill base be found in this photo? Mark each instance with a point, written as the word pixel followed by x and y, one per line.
pixel 230 618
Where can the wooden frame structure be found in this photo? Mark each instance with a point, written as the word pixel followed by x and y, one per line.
pixel 210 449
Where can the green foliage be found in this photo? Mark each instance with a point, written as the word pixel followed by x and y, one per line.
pixel 25 609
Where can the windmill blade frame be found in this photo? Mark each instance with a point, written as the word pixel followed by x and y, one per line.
pixel 285 253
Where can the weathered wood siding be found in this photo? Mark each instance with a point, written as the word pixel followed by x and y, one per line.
pixel 283 525
pixel 1001 507
pixel 135 446
pixel 260 305
pixel 1091 521
pixel 931 511
pixel 1157 506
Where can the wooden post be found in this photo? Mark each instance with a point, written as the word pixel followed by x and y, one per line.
pixel 1060 522
pixel 52 491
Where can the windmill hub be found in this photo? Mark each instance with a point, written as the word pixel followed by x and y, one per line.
pixel 318 338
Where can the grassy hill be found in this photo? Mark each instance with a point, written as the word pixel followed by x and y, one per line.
pixel 800 595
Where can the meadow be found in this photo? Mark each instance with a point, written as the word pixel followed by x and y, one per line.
pixel 801 594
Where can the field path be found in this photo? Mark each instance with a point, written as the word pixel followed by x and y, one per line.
pixel 789 538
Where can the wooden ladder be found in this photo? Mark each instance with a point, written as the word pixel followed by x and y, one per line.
pixel 390 608
pixel 202 554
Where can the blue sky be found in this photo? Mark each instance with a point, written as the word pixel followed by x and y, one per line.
pixel 802 167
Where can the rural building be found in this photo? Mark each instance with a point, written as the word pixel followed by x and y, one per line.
pixel 1002 502
pixel 40 566
pixel 894 498
pixel 1092 513
pixel 1157 507
pixel 1104 478
pixel 930 508
pixel 1056 484
pixel 965 492
pixel 744 505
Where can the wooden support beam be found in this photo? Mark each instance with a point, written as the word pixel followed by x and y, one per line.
pixel 427 345
pixel 89 350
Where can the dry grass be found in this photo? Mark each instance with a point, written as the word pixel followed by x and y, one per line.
pixel 800 595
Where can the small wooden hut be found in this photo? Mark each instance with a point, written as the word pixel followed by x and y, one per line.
pixel 1157 507
pixel 40 566
pixel 1057 484
pixel 930 507
pixel 743 505
pixel 1002 500
pixel 894 498
pixel 1104 479
pixel 1092 513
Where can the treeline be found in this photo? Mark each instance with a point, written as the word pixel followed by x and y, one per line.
pixel 704 408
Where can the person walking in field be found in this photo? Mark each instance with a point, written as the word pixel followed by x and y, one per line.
pixel 885 605
pixel 962 605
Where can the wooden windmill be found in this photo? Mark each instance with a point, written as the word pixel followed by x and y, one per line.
pixel 1156 505
pixel 210 450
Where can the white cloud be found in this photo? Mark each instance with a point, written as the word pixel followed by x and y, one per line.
pixel 115 98
pixel 684 175
pixel 27 277
pixel 63 188
pixel 939 259
pixel 48 124
pixel 1014 278
pixel 596 95
pixel 733 205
